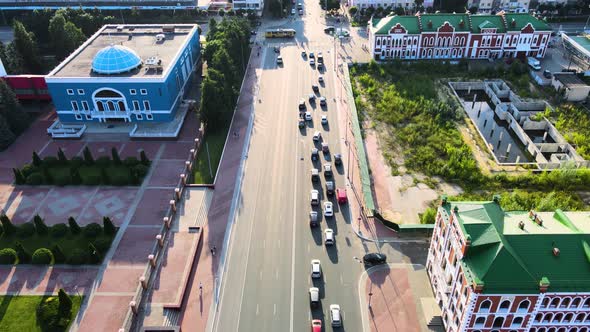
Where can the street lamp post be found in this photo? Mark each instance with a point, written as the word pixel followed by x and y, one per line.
pixel 370 295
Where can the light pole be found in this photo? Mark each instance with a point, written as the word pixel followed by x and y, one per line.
pixel 370 295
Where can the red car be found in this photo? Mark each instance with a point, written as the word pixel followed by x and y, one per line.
pixel 341 196
pixel 316 325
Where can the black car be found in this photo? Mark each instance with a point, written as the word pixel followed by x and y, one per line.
pixel 547 73
pixel 315 88
pixel 329 29
pixel 374 259
pixel 338 159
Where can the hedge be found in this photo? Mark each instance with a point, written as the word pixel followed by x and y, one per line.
pixel 58 230
pixel 8 256
pixel 42 256
pixel 25 230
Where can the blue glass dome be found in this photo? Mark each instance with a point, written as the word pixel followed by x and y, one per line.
pixel 115 59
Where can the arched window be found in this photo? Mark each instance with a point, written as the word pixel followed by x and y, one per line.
pixel 554 303
pixel 547 318
pixel 579 318
pixel 568 318
pixel 557 318
pixel 583 329
pixel 121 106
pixel 574 329
pixel 551 329
pixel 523 306
pixel 107 93
pixel 587 303
pixel 485 306
pixel 517 322
pixel 100 106
pixel 541 329
pixel 110 105
pixel 498 322
pixel 504 306
pixel 545 303
pixel 538 318
pixel 561 329
pixel 587 320
pixel 576 302
pixel 378 41
pixel 565 302
pixel 480 321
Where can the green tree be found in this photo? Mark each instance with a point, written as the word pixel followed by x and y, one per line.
pixel 11 109
pixel 26 47
pixel 58 254
pixel 143 158
pixel 36 160
pixel 19 178
pixel 23 255
pixel 74 227
pixel 115 156
pixel 7 225
pixel 213 108
pixel 353 10
pixel 40 225
pixel 11 59
pixel 88 159
pixel 108 226
pixel 212 29
pixel 61 156
pixel 65 36
pixel 65 304
pixel 6 135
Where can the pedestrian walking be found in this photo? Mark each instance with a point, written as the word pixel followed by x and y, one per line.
pixel 201 286
pixel 214 250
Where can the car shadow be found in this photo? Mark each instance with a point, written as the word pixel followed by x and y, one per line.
pixel 326 126
pixel 316 232
pixel 332 251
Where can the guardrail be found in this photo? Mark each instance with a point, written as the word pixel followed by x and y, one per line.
pixel 155 255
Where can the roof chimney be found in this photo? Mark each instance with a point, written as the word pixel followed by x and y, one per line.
pixel 430 23
pixel 513 23
pixel 443 200
pixel 555 251
pixel 538 220
pixel 521 225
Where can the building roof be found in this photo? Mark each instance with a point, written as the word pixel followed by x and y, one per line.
pixel 461 22
pixel 384 25
pixel 569 80
pixel 115 59
pixel 521 20
pixel 479 22
pixel 114 51
pixel 507 259
pixel 582 41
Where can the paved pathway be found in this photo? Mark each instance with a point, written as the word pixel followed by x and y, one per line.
pixel 197 303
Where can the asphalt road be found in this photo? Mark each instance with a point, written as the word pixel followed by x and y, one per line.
pixel 266 284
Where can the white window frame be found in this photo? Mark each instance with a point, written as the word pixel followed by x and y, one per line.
pixel 85 106
pixel 146 105
pixel 149 116
pixel 132 92
pixel 139 116
pixel 88 117
pixel 81 92
pixel 143 91
pixel 70 92
pixel 136 106
pixel 75 106
pixel 78 116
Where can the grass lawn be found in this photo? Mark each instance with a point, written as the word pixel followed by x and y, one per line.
pixel 215 141
pixel 18 313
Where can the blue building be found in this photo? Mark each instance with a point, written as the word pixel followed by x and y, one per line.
pixel 126 73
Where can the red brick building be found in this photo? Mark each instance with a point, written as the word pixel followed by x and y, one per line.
pixel 492 270
pixel 456 36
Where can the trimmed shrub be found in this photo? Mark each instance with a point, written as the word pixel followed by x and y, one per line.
pixel 65 303
pixel 50 162
pixel 58 230
pixel 74 227
pixel 130 162
pixel 25 230
pixel 40 226
pixel 102 245
pixel 36 160
pixel 140 171
pixel 76 162
pixel 109 227
pixel 103 161
pixel 90 175
pixel 75 176
pixel 34 179
pixel 144 159
pixel 19 178
pixel 23 255
pixel 7 226
pixel 118 176
pixel 47 178
pixel 42 256
pixel 8 256
pixel 61 156
pixel 93 254
pixel 88 159
pixel 49 317
pixel 77 257
pixel 115 156
pixel 61 176
pixel 58 255
pixel 29 169
pixel 92 230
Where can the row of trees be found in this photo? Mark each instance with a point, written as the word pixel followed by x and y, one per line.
pixel 226 54
pixel 13 119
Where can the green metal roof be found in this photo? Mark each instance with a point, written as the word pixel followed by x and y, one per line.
pixel 521 20
pixel 383 25
pixel 508 259
pixel 479 22
pixel 440 19
pixel 583 41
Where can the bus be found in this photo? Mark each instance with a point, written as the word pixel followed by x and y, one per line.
pixel 279 33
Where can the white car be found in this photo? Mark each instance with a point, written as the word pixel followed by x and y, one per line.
pixel 293 11
pixel 300 11
pixel 308 116
pixel 328 209
pixel 321 79
pixel 317 136
pixel 329 237
pixel 312 62
pixel 316 270
pixel 322 101
pixel 314 197
pixel 324 119
pixel 335 317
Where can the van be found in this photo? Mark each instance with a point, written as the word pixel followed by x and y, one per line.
pixel 341 196
pixel 329 237
pixel 534 63
pixel 329 188
pixel 315 174
pixel 315 197
pixel 314 296
pixel 335 317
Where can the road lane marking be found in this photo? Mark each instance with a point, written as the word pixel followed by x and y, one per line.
pixel 277 274
pixel 308 248
pixel 279 244
pixel 263 244
pixel 274 310
pixel 293 232
pixel 341 280
pixel 260 277
pixel 256 309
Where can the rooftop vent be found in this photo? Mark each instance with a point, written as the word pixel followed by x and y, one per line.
pixel 555 251
pixel 538 220
pixel 513 23
pixel 521 225
pixel 168 29
pixel 160 37
pixel 462 23
pixel 430 23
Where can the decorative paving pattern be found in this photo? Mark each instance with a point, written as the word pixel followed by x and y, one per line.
pixel 20 203
pixel 111 202
pixel 62 203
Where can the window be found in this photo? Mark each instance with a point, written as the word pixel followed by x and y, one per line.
pixel 568 318
pixel 565 303
pixel 545 303
pixel 547 318
pixel 70 92
pixel 480 321
pixel 554 303
pixel 485 306
pixel 579 318
pixel 557 318
pixel 136 105
pixel 146 105
pixel 132 91
pixel 498 322
pixel 88 117
pixel 78 117
pixel 504 306
pixel 139 116
pixel 75 106
pixel 523 306
pixel 149 116
pixel 538 318
pixel 143 91
pixel 576 302
pixel 587 303
pixel 85 105
pixel 81 92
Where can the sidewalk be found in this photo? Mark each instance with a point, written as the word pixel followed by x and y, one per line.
pixel 197 303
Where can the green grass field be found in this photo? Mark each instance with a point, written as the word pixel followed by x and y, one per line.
pixel 18 313
pixel 215 140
